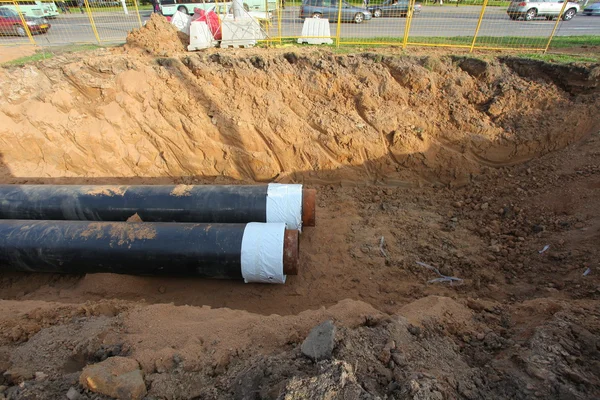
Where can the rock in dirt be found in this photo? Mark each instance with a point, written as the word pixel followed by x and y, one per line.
pixel 73 394
pixel 14 376
pixel 336 382
pixel 118 377
pixel 320 342
pixel 40 376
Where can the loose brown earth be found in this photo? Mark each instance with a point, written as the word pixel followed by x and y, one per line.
pixel 472 166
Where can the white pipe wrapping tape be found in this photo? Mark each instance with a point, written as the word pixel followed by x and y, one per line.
pixel 284 204
pixel 262 252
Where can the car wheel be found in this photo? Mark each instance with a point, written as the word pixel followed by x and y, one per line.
pixel 377 13
pixel 359 17
pixel 569 14
pixel 183 9
pixel 20 31
pixel 316 15
pixel 531 14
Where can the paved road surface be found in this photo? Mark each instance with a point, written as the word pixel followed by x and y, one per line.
pixel 432 21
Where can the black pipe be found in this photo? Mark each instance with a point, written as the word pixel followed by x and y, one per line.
pixel 202 250
pixel 162 203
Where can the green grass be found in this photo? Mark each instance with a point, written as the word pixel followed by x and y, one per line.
pixel 484 41
pixel 559 42
pixel 562 58
pixel 508 42
pixel 47 53
pixel 19 62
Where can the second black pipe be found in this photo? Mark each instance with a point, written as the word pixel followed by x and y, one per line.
pixel 161 203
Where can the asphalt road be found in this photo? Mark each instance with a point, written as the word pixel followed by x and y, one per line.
pixel 432 21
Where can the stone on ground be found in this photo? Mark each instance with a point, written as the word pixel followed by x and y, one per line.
pixel 117 377
pixel 320 342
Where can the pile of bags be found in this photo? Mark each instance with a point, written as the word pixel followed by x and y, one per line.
pixel 204 27
pixel 207 29
pixel 211 19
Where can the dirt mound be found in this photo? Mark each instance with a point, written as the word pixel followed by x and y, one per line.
pixel 158 37
pixel 284 116
pixel 538 349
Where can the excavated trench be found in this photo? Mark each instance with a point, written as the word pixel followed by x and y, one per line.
pixel 314 117
pixel 471 165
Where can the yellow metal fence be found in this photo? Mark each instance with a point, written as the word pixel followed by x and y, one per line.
pixel 469 24
pixel 78 21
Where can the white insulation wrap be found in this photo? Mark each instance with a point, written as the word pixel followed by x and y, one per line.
pixel 284 204
pixel 262 252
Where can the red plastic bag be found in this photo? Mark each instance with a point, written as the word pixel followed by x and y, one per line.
pixel 211 19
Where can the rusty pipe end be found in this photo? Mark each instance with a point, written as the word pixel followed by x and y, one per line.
pixel 309 205
pixel 291 252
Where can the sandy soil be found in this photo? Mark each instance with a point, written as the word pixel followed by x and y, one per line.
pixel 468 165
pixel 14 52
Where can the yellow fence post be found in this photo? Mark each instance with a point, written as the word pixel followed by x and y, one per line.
pixel 92 23
pixel 267 23
pixel 279 15
pixel 409 14
pixel 562 10
pixel 478 24
pixel 137 11
pixel 25 26
pixel 339 24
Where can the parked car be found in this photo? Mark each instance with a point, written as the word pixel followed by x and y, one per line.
pixel 104 3
pixel 11 24
pixel 392 8
pixel 592 9
pixel 528 9
pixel 330 8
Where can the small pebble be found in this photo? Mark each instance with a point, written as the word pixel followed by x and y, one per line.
pixel 40 376
pixel 73 394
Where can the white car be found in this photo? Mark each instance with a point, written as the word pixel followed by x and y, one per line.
pixel 550 9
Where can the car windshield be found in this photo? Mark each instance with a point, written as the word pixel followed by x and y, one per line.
pixel 5 12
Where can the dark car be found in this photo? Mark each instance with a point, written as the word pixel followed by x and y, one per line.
pixel 104 3
pixel 392 8
pixel 592 9
pixel 331 8
pixel 11 24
